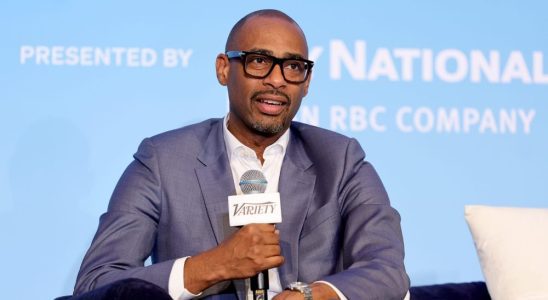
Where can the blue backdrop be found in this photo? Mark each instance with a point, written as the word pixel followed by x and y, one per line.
pixel 449 100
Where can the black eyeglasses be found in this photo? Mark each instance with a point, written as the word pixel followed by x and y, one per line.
pixel 260 65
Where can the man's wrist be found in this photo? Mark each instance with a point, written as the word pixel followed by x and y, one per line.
pixel 199 275
pixel 321 290
pixel 176 286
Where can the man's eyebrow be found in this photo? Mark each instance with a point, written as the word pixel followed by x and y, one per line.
pixel 268 52
pixel 293 55
pixel 261 51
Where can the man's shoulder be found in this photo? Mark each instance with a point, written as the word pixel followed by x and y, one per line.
pixel 320 143
pixel 313 134
pixel 187 134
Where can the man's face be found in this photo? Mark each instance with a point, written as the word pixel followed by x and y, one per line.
pixel 264 106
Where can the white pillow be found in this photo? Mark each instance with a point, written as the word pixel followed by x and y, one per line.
pixel 512 245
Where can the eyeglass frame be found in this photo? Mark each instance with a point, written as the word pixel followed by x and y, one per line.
pixel 240 54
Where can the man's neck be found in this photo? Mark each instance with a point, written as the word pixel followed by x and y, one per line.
pixel 256 141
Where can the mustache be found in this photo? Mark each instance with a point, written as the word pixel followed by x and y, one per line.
pixel 255 95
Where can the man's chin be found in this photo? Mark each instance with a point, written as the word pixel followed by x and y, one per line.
pixel 268 129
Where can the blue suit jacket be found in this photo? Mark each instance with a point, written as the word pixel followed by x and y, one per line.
pixel 171 202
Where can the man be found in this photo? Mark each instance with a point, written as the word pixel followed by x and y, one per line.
pixel 339 233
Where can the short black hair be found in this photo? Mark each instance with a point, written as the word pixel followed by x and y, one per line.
pixel 259 13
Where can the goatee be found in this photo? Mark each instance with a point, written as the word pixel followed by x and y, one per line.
pixel 268 129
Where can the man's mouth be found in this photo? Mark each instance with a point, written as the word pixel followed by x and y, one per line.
pixel 268 106
pixel 271 102
pixel 271 97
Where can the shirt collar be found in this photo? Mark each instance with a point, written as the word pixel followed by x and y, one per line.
pixel 235 147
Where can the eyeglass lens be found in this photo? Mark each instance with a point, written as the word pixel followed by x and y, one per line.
pixel 261 65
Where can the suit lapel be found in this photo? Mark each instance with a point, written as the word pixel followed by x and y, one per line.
pixel 216 184
pixel 296 191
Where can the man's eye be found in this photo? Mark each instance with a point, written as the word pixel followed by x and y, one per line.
pixel 295 66
pixel 258 60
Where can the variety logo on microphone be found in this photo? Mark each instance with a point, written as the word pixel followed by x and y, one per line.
pixel 261 208
pixel 245 209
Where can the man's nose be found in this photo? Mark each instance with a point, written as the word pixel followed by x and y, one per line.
pixel 276 78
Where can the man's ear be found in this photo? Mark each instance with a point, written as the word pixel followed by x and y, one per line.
pixel 222 66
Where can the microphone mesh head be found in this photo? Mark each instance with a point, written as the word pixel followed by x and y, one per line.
pixel 253 182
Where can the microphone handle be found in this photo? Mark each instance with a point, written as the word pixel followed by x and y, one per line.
pixel 259 285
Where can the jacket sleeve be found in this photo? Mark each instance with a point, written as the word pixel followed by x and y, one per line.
pixel 373 251
pixel 127 231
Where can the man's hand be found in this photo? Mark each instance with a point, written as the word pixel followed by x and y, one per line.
pixel 289 295
pixel 320 291
pixel 250 250
pixel 253 248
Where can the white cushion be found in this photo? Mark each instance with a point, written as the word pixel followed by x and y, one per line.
pixel 512 246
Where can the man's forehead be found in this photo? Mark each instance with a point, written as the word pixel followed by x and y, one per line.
pixel 285 54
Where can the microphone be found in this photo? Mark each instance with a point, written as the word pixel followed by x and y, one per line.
pixel 255 207
pixel 253 182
